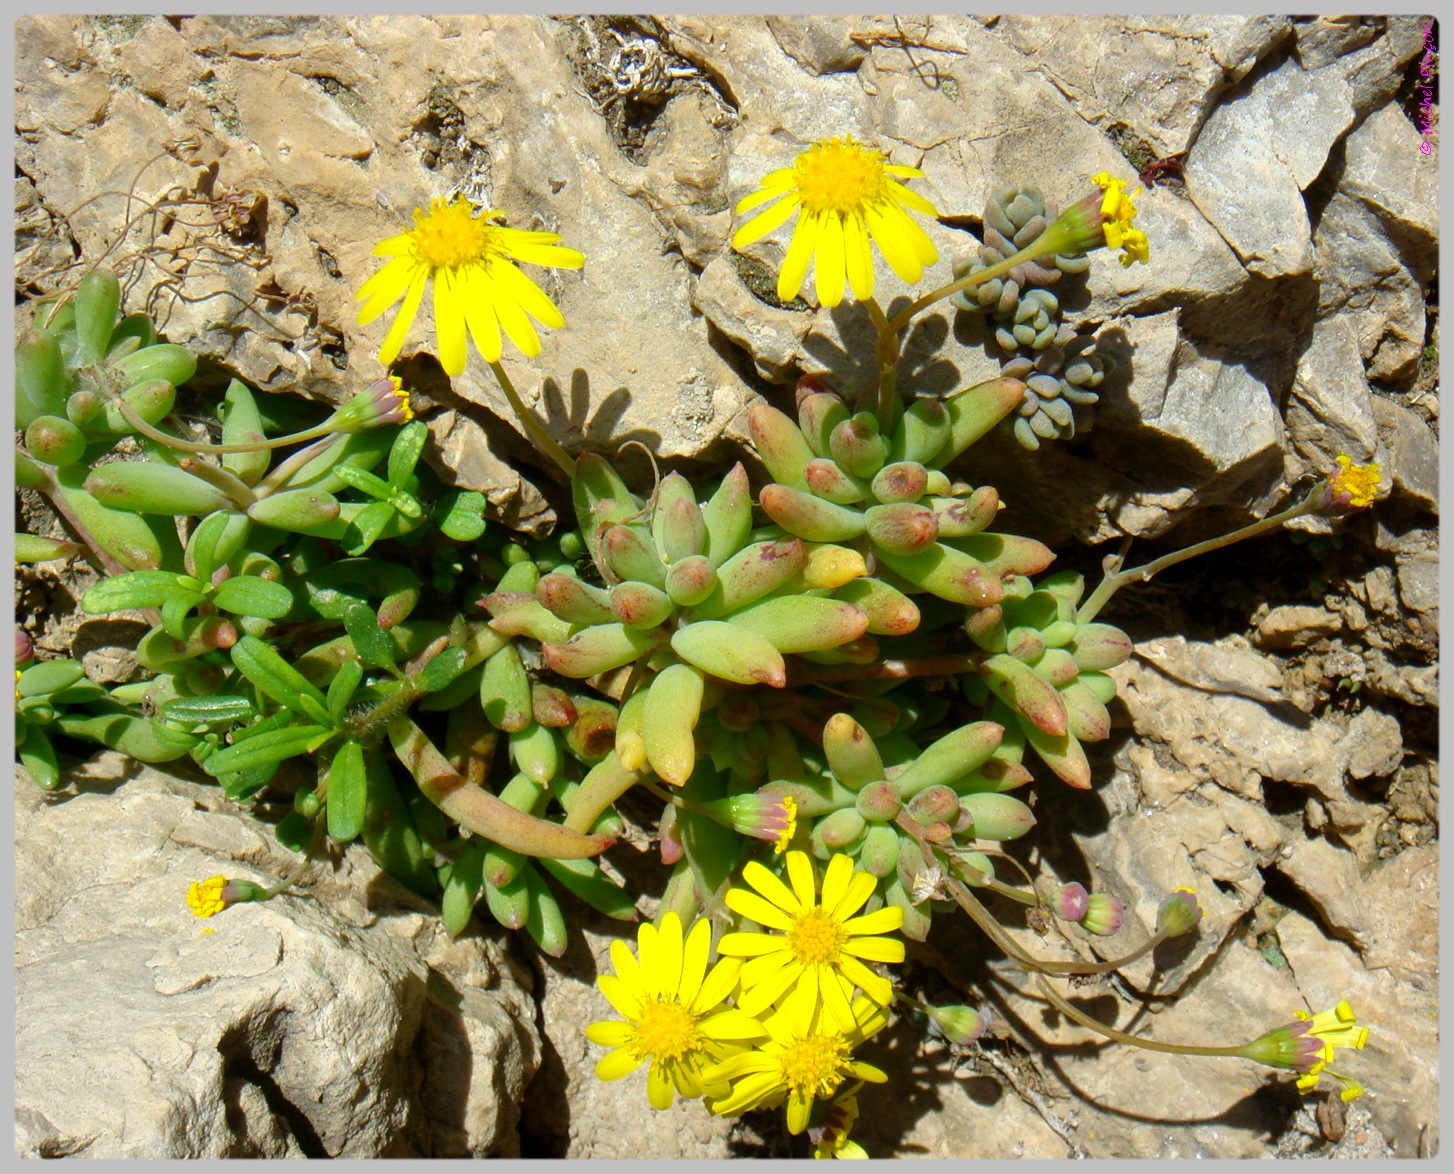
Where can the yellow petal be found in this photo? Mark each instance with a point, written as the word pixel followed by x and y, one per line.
pixel 731 1024
pixel 766 992
pixel 615 1065
pixel 771 886
pixel 884 920
pixel 800 252
pixel 694 961
pixel 389 246
pixel 531 297
pixel 385 288
pixel 479 314
pixel 667 976
pixel 449 323
pixel 717 986
pixel 908 198
pixel 856 893
pixel 399 329
pixel 828 261
pixel 761 910
pixel 799 1106
pixel 763 223
pixel 742 944
pixel 800 874
pixel 876 949
pixel 647 953
pixel 609 1033
pixel 757 970
pixel 876 987
pixel 619 996
pixel 835 1004
pixel 858 257
pixel 658 1087
pixel 835 882
pixel 513 320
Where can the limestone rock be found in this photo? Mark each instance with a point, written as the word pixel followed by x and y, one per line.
pixel 291 1028
pixel 1413 452
pixel 1295 626
pixel 1257 153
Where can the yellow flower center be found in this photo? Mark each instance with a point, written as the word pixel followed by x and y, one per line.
pixel 816 937
pixel 840 176
pixel 815 1065
pixel 667 1031
pixel 448 236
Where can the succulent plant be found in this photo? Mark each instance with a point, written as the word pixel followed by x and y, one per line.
pixel 1060 388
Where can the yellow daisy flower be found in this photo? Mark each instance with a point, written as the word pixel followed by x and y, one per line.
pixel 204 898
pixel 475 285
pixel 672 1011
pixel 1308 1045
pixel 804 1057
pixel 1352 486
pixel 818 943
pixel 848 194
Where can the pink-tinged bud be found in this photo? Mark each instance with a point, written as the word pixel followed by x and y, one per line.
pixel 383 402
pixel 574 601
pixel 210 897
pixel 1072 902
pixel 810 385
pixel 985 626
pixel 901 481
pixel 960 1024
pixel 551 707
pixel 24 647
pixel 1179 913
pixel 903 528
pixel 779 443
pixel 818 414
pixel 763 816
pixel 671 846
pixel 691 580
pixel 1103 915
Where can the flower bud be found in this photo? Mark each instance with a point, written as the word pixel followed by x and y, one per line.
pixel 210 897
pixel 24 647
pixel 384 401
pixel 1178 914
pixel 1351 488
pixel 959 1024
pixel 878 802
pixel 1103 915
pixel 1072 902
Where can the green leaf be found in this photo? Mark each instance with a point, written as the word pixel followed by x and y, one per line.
pixel 347 793
pixel 215 540
pixel 267 748
pixel 364 482
pixel 31 548
pixel 461 515
pixel 371 641
pixel 207 710
pixel 39 758
pixel 249 595
pixel 585 879
pixel 294 832
pixel 141 738
pixel 341 689
pixel 244 784
pixel 242 424
pixel 48 676
pixel 404 455
pixel 463 885
pixel 443 669
pixel 150 487
pixel 367 526
pixel 174 613
pixel 274 677
pixel 138 589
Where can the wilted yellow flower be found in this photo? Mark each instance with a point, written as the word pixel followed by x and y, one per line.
pixel 1118 212
pixel 848 195
pixel 476 286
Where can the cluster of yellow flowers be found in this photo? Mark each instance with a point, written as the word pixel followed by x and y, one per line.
pixel 780 1027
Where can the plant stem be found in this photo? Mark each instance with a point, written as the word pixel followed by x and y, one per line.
pixel 887 358
pixel 999 269
pixel 543 439
pixel 128 413
pixel 1080 1017
pixel 1116 578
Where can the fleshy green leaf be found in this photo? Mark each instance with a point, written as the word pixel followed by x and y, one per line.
pixel 265 749
pixel 371 641
pixel 274 677
pixel 461 515
pixel 347 793
pixel 138 589
pixel 249 595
